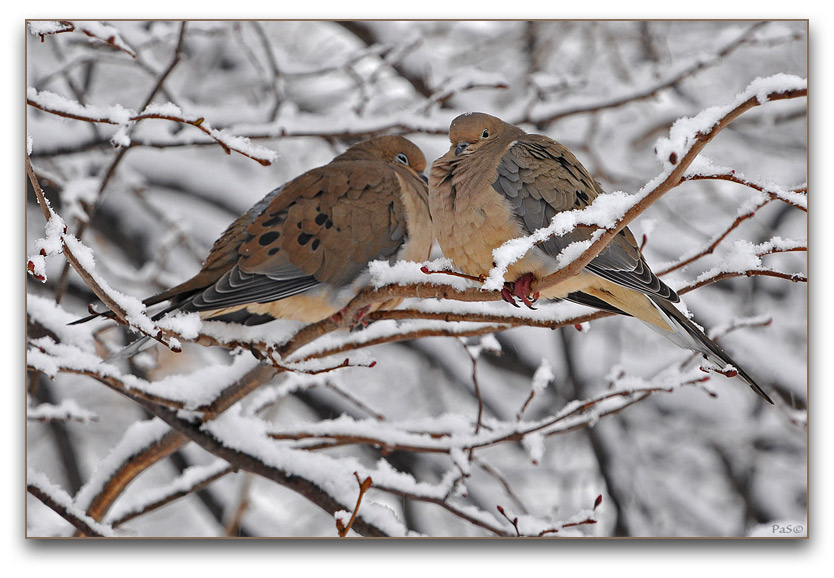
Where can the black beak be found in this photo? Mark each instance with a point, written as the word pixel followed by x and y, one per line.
pixel 424 178
pixel 461 147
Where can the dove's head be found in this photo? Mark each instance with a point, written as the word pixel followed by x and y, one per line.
pixel 471 131
pixel 397 151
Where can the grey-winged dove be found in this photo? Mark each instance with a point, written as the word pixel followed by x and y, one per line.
pixel 498 183
pixel 302 252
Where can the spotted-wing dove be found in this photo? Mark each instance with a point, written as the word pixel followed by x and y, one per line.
pixel 302 251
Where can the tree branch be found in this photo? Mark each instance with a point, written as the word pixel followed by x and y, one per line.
pixel 671 179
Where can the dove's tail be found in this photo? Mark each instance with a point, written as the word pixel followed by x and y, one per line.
pixel 687 335
pixel 131 349
pixel 663 317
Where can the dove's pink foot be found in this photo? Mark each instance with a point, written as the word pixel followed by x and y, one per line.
pixel 356 320
pixel 520 289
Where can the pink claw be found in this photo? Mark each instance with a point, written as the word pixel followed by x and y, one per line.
pixel 520 289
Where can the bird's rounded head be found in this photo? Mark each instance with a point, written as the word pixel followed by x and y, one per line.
pixel 472 130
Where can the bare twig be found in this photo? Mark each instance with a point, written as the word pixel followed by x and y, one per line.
pixel 513 521
pixel 480 415
pixel 366 34
pixel 364 486
pixel 653 90
pixel 352 399
pixel 234 524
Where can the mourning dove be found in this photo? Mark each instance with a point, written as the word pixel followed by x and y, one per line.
pixel 302 251
pixel 498 183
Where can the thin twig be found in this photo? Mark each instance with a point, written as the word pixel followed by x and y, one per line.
pixel 153 332
pixel 474 359
pixel 651 91
pixel 364 486
pixel 170 497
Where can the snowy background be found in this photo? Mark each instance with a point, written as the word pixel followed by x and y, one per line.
pixel 149 197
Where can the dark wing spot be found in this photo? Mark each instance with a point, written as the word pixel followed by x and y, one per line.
pixel 272 251
pixel 315 244
pixel 304 238
pixel 273 221
pixel 321 218
pixel 268 238
pixel 328 224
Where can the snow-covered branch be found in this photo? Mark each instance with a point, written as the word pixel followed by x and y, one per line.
pixel 54 497
pixel 454 414
pixel 129 310
pixel 612 212
pixel 125 118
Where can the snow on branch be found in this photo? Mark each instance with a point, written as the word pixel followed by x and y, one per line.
pixel 67 410
pixel 450 435
pixel 704 169
pixel 769 192
pixel 96 31
pixel 612 212
pixel 743 257
pixel 315 408
pixel 54 497
pixel 103 493
pixel 337 476
pixel 455 433
pixel 125 118
pixel 137 437
pixel 194 391
pixel 80 257
pixel 191 480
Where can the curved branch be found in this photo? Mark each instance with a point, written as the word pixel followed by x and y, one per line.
pixel 671 179
pixel 140 461
pixel 309 490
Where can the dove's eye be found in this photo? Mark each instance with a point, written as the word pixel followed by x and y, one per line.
pixel 485 134
pixel 401 158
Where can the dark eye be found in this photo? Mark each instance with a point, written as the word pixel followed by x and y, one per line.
pixel 401 158
pixel 485 134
